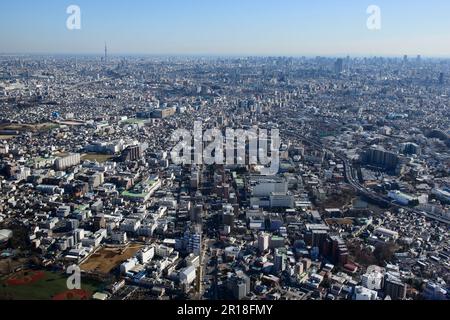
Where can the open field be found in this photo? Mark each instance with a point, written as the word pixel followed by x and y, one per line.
pixel 100 158
pixel 6 137
pixel 134 121
pixel 71 123
pixel 29 127
pixel 106 259
pixel 339 221
pixel 41 285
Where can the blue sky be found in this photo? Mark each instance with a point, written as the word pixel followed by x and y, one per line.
pixel 226 27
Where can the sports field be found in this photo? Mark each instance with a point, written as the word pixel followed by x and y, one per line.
pixel 100 158
pixel 106 259
pixel 39 127
pixel 43 285
pixel 6 137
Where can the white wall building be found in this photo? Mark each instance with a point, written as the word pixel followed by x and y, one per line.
pixel 146 254
pixel 373 280
pixel 364 294
pixel 68 161
pixel 263 241
pixel 130 225
pixel 264 187
pixel 163 251
pixel 281 200
pixel 401 198
pixel 128 265
pixel 386 233
pixel 188 275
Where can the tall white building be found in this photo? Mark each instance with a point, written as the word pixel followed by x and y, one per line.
pixel 4 148
pixel 146 254
pixel 373 280
pixel 68 161
pixel 263 241
pixel 188 275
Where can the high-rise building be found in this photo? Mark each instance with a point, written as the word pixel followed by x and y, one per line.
pixel 337 250
pixel 263 241
pixel 280 260
pixel 441 78
pixel 67 161
pixel 132 153
pixel 228 218
pixel 373 280
pixel 239 285
pixel 196 214
pixel 339 66
pixel 195 179
pixel 316 235
pixel 100 222
pixel 381 158
pixel 106 54
pixel 192 242
pixel 410 148
pixel 394 288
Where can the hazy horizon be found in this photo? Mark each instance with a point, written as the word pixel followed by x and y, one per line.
pixel 100 54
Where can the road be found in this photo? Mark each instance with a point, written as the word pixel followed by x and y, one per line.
pixel 80 84
pixel 203 277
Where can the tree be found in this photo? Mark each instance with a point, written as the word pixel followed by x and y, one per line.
pixel 384 252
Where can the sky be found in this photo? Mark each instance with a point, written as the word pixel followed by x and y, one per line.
pixel 227 27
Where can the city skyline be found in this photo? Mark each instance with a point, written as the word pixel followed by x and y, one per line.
pixel 252 154
pixel 198 27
